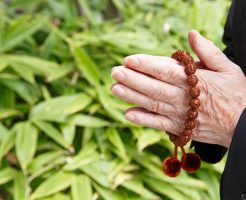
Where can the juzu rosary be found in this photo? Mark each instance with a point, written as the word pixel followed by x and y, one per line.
pixel 190 162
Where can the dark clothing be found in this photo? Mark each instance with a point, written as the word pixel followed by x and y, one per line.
pixel 233 181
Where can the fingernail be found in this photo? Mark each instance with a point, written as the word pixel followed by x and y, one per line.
pixel 118 75
pixel 195 31
pixel 113 85
pixel 130 116
pixel 118 90
pixel 114 68
pixel 131 61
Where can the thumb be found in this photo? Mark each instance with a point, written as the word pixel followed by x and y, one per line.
pixel 208 53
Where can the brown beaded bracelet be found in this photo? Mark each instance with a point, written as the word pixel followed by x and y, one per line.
pixel 190 162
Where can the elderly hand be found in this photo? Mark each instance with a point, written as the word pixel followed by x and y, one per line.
pixel 157 85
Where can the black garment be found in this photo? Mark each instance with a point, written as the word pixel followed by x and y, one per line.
pixel 233 182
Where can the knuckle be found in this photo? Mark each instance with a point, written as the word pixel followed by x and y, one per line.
pixel 157 71
pixel 154 105
pixel 160 124
pixel 168 72
pixel 158 92
pixel 163 72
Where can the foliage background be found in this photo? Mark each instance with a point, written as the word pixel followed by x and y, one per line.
pixel 62 134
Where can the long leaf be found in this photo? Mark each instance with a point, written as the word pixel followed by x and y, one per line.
pixel 25 143
pixel 56 109
pixel 52 132
pixel 7 174
pixel 55 183
pixel 85 65
pixel 81 188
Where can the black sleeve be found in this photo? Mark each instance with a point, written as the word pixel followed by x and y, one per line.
pixel 227 37
pixel 212 153
pixel 233 182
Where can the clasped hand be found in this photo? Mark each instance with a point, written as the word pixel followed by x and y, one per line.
pixel 157 85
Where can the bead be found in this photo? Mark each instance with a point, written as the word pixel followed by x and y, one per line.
pixel 190 124
pixel 177 55
pixel 194 92
pixel 190 69
pixel 194 103
pixel 192 80
pixel 191 162
pixel 192 114
pixel 187 132
pixel 187 60
pixel 184 139
pixel 178 142
pixel 171 166
pixel 185 54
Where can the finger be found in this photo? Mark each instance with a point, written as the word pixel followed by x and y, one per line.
pixel 141 100
pixel 208 53
pixel 145 118
pixel 150 87
pixel 162 68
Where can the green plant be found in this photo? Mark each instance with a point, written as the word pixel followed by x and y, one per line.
pixel 62 134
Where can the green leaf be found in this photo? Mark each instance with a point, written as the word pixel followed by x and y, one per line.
pixel 25 143
pixel 107 194
pixel 27 92
pixel 105 101
pixel 56 183
pixel 52 132
pixel 2 23
pixel 81 188
pixel 24 72
pixel 170 192
pixel 6 113
pixel 57 196
pixel 47 48
pixel 96 174
pixel 115 139
pixel 87 121
pixel 43 159
pixel 8 99
pixel 137 187
pixel 37 66
pixel 3 132
pixel 68 132
pixel 20 187
pixel 3 64
pixel 7 143
pixel 85 65
pixel 56 109
pixel 20 31
pixel 7 174
pixel 148 137
pixel 86 156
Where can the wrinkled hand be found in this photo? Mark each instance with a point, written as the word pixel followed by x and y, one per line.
pixel 157 85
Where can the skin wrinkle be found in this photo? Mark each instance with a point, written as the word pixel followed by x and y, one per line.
pixel 161 73
pixel 162 108
pixel 176 126
pixel 150 92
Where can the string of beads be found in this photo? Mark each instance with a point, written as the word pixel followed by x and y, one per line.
pixel 190 162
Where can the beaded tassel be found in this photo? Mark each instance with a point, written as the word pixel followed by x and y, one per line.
pixel 190 162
